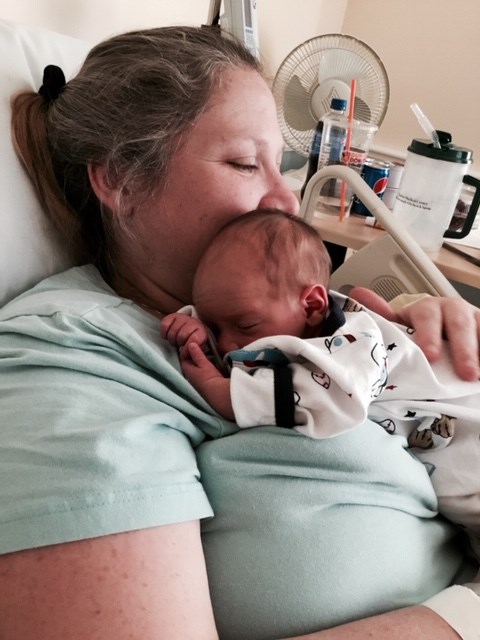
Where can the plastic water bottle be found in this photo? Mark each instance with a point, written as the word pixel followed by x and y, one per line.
pixel 331 150
pixel 344 142
pixel 338 109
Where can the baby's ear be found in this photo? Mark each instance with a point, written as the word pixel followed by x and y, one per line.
pixel 314 299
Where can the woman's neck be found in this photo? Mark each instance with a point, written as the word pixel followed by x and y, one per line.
pixel 146 293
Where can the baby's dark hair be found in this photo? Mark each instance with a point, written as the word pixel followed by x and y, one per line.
pixel 278 238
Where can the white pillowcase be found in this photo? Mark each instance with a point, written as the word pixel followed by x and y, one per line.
pixel 29 248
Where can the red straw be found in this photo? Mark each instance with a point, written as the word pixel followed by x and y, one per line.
pixel 343 193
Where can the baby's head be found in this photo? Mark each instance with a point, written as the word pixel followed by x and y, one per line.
pixel 265 273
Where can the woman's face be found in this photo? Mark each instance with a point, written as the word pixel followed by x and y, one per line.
pixel 228 165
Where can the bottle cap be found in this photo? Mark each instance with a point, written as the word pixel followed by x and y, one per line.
pixel 338 104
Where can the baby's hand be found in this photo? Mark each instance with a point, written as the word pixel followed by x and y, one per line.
pixel 180 329
pixel 197 368
pixel 207 379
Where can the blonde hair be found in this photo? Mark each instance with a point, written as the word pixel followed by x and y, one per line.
pixel 290 252
pixel 128 110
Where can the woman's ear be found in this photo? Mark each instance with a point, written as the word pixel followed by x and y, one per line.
pixel 314 299
pixel 101 185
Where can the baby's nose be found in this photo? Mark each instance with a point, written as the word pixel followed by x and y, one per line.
pixel 226 343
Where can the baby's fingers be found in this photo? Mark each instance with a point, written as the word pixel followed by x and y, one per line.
pixel 166 325
pixel 172 327
pixel 194 351
pixel 179 329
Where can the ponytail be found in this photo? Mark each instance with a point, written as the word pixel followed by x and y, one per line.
pixel 29 132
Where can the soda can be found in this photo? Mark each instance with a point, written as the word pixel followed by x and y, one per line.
pixel 375 173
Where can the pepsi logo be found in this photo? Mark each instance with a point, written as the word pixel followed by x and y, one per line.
pixel 380 185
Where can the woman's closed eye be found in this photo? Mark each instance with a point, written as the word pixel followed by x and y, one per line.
pixel 247 167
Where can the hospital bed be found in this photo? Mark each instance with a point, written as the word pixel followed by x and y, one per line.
pixel 391 265
pixel 29 247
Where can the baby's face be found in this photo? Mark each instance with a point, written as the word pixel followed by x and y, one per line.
pixel 236 301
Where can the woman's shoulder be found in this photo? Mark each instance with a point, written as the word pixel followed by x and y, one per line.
pixel 77 305
pixel 73 323
pixel 75 290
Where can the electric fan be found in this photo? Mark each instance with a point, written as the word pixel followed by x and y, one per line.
pixel 320 69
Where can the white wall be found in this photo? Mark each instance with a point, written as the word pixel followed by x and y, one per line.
pixel 95 19
pixel 431 50
pixel 283 24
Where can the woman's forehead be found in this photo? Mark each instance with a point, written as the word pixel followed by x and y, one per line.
pixel 238 89
pixel 244 112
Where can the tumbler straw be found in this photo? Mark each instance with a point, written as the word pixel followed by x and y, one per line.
pixel 343 192
pixel 426 125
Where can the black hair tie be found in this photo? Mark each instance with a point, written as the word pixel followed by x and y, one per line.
pixel 53 83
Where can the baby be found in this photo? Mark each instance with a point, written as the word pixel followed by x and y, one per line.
pixel 299 356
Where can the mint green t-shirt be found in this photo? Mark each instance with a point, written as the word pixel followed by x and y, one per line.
pixel 311 533
pixel 100 433
pixel 98 426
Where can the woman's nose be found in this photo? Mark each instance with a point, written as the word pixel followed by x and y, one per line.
pixel 280 196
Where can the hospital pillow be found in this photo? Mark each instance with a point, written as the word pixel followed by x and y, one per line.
pixel 29 248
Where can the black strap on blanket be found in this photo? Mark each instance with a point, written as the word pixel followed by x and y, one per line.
pixel 284 397
pixel 284 393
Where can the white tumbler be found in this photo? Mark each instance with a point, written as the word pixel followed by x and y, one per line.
pixel 429 190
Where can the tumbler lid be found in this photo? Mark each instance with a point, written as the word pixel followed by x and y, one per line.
pixel 448 152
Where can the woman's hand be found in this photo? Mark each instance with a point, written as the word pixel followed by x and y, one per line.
pixel 434 320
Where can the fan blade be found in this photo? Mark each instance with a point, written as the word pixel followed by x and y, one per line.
pixel 297 106
pixel 361 110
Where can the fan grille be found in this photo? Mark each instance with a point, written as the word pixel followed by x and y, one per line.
pixel 321 69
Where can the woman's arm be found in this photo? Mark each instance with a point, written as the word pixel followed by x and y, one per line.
pixel 435 319
pixel 146 585
pixel 412 623
pixel 142 585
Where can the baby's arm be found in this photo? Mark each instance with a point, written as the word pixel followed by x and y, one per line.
pixel 179 329
pixel 191 337
pixel 207 379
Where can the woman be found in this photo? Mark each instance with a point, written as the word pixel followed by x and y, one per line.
pixel 162 137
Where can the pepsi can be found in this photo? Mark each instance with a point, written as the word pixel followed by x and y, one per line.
pixel 375 173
